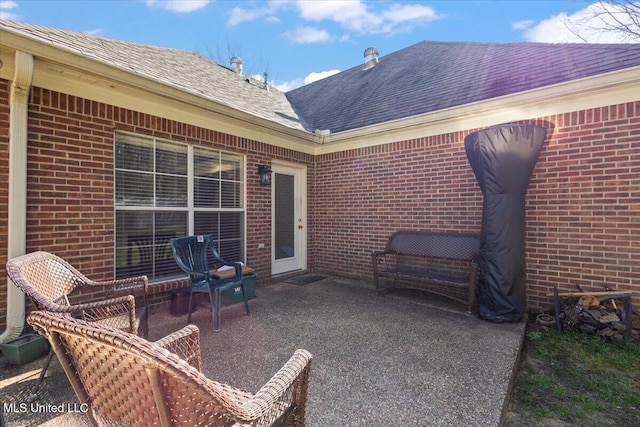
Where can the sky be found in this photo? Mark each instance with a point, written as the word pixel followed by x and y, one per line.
pixel 298 42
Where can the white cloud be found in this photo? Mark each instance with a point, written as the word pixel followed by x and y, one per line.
pixel 238 15
pixel 271 19
pixel 5 10
pixel 333 10
pixel 312 77
pixel 409 13
pixel 179 6
pixel 287 86
pixel 591 25
pixel 354 15
pixel 296 83
pixel 303 35
pixel 523 25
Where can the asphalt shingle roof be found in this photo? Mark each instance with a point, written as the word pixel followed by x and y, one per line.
pixel 431 76
pixel 425 77
pixel 185 70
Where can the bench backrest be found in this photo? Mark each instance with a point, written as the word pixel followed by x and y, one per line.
pixel 433 244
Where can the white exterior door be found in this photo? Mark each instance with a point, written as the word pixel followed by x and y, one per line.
pixel 288 227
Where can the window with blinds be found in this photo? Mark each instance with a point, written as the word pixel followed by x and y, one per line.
pixel 165 189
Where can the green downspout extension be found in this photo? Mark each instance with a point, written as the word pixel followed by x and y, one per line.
pixel 17 218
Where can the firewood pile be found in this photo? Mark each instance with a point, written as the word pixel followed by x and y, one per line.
pixel 596 313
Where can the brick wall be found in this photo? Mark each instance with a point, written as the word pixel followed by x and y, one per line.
pixel 364 195
pixel 583 203
pixel 71 187
pixel 4 194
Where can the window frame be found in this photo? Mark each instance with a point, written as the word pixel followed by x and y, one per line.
pixel 190 207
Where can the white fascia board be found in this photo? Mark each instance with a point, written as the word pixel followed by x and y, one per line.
pixel 606 89
pixel 174 104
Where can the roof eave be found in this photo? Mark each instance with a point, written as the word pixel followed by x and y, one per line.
pixel 68 72
pixel 612 88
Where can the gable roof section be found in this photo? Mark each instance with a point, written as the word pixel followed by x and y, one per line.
pixel 424 78
pixel 431 76
pixel 184 70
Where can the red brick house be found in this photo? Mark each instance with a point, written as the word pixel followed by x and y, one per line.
pixel 109 148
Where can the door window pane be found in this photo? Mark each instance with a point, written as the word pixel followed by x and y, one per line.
pixel 284 216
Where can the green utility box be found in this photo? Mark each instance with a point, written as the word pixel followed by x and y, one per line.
pixel 24 349
pixel 234 294
pixel 179 303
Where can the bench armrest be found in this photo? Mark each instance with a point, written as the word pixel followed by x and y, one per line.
pixel 380 253
pixel 377 258
pixel 474 272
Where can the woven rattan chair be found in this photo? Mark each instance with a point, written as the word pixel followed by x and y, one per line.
pixel 49 280
pixel 126 380
pixel 191 255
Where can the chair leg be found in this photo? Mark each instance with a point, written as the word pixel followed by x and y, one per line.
pixel 34 392
pixel 143 327
pixel 244 298
pixel 190 302
pixel 215 308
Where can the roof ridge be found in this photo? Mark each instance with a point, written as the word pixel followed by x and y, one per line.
pixel 522 43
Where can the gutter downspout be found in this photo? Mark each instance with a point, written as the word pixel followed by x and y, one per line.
pixel 17 218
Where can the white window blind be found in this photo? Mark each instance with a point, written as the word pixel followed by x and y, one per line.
pixel 166 189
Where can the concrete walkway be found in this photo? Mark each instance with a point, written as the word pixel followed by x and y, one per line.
pixel 391 360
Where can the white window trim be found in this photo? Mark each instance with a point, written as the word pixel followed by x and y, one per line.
pixel 190 208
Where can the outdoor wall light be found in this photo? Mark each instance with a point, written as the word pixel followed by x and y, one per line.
pixel 265 174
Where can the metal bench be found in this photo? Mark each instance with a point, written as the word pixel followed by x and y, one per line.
pixel 441 263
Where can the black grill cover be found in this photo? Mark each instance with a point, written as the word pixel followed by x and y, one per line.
pixel 503 158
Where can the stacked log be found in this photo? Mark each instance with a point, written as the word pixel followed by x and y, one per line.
pixel 596 313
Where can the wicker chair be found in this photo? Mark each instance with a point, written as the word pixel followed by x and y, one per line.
pixel 48 280
pixel 191 255
pixel 126 380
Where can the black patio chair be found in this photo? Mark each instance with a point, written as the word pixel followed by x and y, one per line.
pixel 191 255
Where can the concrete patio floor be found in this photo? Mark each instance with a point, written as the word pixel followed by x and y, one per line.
pixel 390 360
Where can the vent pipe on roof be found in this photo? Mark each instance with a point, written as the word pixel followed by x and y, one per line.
pixel 370 57
pixel 265 84
pixel 236 64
